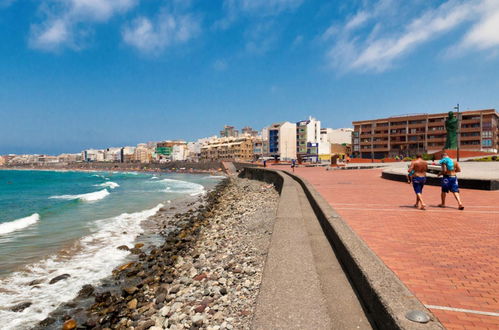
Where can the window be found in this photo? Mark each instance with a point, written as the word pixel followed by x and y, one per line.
pixel 487 142
pixel 487 134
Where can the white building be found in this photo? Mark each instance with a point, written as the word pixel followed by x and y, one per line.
pixel 92 155
pixel 179 152
pixel 338 135
pixel 282 140
pixel 308 134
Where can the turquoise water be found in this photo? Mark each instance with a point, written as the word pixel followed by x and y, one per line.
pixel 52 223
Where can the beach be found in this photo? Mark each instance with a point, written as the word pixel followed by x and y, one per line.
pixel 205 274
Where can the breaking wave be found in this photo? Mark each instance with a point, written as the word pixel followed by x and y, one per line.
pixel 90 197
pixel 9 227
pixel 92 258
pixel 109 184
pixel 183 187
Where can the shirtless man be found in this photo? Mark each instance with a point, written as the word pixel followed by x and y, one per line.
pixel 418 168
pixel 449 180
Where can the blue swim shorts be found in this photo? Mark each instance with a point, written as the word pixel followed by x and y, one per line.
pixel 449 183
pixel 418 184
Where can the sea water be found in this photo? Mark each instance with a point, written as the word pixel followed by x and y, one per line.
pixel 64 222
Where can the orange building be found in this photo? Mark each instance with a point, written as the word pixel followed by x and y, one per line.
pixel 425 133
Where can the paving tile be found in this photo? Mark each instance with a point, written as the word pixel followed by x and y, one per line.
pixel 446 257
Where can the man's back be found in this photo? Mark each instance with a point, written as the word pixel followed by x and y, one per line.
pixel 420 167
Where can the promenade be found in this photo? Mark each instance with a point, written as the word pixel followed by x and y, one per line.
pixel 448 258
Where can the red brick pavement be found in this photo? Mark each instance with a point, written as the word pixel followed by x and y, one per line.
pixel 446 257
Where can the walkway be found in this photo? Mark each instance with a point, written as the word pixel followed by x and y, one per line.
pixel 448 258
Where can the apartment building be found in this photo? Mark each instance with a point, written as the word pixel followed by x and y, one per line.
pixel 228 148
pixel 424 133
pixel 308 134
pixel 282 141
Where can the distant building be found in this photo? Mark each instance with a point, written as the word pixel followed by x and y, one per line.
pixel 142 153
pixel 92 155
pixel 249 131
pixel 229 148
pixel 307 139
pixel 179 152
pixel 425 133
pixel 164 149
pixel 69 158
pixel 282 141
pixel 229 131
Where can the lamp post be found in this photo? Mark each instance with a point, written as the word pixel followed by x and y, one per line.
pixel 458 131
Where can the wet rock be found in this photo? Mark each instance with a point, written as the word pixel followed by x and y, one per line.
pixel 46 322
pixel 139 245
pixel 125 266
pixel 20 307
pixel 35 282
pixel 59 278
pixel 86 291
pixel 136 251
pixel 200 277
pixel 123 247
pixel 223 291
pixel 69 325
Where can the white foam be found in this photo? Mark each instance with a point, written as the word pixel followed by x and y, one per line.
pixel 183 187
pixel 90 197
pixel 109 184
pixel 9 227
pixel 154 178
pixel 216 177
pixel 95 257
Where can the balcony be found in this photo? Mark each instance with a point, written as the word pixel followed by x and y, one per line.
pixel 470 129
pixel 398 126
pixel 421 125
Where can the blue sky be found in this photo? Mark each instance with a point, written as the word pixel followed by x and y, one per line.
pixel 76 74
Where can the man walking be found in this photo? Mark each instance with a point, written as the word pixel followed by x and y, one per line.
pixel 418 169
pixel 449 180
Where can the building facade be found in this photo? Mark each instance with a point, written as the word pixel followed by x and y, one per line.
pixel 308 133
pixel 282 141
pixel 425 133
pixel 229 148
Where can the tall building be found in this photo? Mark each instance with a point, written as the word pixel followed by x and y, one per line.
pixel 308 134
pixel 282 141
pixel 425 133
pixel 229 131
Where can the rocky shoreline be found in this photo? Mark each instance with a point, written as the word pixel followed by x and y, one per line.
pixel 205 275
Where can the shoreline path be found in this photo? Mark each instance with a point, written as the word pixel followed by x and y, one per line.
pixel 448 258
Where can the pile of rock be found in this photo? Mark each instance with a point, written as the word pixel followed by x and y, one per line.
pixel 205 275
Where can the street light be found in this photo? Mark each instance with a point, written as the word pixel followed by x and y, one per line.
pixel 458 131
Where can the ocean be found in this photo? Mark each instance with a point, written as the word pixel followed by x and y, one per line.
pixel 66 222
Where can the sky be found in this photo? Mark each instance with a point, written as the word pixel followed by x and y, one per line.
pixel 78 74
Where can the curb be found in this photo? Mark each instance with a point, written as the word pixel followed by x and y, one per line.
pixel 386 299
pixel 477 184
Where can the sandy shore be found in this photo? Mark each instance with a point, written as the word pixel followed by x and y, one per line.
pixel 206 274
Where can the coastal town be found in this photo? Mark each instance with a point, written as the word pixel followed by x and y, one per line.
pixel 305 141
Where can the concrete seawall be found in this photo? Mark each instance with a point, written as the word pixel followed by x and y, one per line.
pixel 385 299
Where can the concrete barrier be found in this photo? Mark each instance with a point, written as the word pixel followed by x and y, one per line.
pixel 385 298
